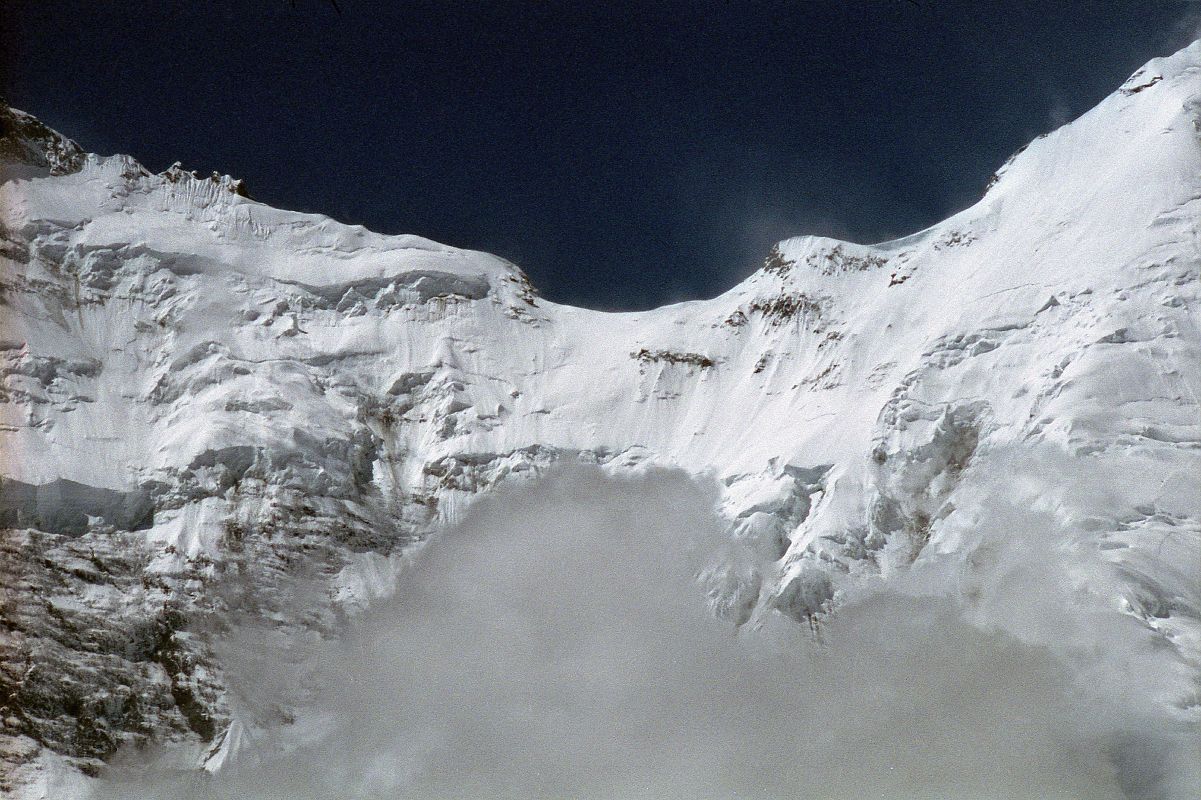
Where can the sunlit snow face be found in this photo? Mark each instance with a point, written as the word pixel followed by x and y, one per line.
pixel 555 645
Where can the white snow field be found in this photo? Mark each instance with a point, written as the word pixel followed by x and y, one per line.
pixel 203 398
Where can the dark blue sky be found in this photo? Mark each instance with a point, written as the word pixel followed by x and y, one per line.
pixel 624 155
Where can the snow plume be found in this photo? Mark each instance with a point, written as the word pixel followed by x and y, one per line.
pixel 555 645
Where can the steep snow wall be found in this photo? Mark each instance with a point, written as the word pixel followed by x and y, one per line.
pixel 274 392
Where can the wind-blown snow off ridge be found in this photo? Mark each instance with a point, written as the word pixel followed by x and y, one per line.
pixel 203 398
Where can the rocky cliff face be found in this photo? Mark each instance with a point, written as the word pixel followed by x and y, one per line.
pixel 202 396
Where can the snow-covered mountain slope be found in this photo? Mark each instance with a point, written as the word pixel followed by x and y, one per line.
pixel 201 395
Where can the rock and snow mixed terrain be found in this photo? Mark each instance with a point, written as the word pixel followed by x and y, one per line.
pixel 201 396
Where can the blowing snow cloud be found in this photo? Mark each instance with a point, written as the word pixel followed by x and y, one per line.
pixel 556 644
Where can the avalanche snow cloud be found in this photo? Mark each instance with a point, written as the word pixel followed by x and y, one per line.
pixel 556 644
pixel 967 461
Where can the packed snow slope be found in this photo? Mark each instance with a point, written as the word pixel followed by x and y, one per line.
pixel 198 391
